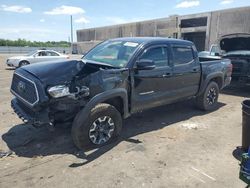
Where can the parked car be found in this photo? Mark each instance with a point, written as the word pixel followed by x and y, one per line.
pixel 114 80
pixel 235 47
pixel 34 57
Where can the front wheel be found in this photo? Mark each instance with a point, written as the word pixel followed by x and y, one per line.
pixel 100 127
pixel 208 100
pixel 23 63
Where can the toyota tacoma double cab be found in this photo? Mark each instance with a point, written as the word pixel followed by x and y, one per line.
pixel 114 80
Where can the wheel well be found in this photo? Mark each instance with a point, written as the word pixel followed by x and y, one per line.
pixel 23 61
pixel 217 80
pixel 117 102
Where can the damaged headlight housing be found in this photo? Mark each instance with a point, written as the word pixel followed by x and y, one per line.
pixel 63 91
pixel 59 91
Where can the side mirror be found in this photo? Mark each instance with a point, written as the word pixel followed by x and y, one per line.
pixel 145 64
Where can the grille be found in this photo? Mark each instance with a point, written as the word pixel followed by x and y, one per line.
pixel 24 89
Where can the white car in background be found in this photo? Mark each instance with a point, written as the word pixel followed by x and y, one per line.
pixel 34 57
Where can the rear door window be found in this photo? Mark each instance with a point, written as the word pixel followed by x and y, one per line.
pixel 42 53
pixel 49 53
pixel 182 55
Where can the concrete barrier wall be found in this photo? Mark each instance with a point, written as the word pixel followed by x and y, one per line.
pixel 220 23
pixel 159 27
pixel 20 50
pixel 88 38
pixel 83 47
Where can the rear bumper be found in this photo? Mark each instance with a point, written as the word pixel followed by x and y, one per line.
pixel 227 81
pixel 37 118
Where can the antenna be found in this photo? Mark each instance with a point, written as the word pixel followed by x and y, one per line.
pixel 71 29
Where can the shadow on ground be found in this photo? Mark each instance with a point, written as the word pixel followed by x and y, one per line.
pixel 10 68
pixel 237 91
pixel 27 141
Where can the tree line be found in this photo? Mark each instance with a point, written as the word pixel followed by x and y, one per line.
pixel 23 42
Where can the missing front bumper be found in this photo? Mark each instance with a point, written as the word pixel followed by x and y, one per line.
pixel 28 116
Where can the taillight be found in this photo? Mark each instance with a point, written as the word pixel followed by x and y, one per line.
pixel 231 67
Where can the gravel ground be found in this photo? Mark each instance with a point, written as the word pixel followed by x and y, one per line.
pixel 170 146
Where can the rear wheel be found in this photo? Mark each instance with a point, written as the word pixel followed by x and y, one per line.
pixel 103 124
pixel 208 100
pixel 23 63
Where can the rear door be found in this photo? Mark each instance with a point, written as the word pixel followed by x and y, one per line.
pixel 152 87
pixel 186 71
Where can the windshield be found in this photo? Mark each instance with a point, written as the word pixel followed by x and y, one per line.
pixel 114 53
pixel 31 53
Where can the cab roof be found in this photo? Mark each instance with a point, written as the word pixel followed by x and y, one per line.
pixel 147 40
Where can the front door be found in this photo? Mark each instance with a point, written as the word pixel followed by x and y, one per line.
pixel 151 87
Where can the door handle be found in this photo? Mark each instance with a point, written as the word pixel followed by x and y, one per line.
pixel 195 70
pixel 168 74
pixel 179 74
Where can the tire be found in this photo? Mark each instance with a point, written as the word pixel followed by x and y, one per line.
pixel 208 100
pixel 103 121
pixel 23 63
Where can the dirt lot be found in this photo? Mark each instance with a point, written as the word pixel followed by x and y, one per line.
pixel 170 146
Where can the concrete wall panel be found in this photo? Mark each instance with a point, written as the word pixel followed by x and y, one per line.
pixel 228 22
pixel 219 23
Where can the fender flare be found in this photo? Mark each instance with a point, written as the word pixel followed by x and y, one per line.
pixel 119 92
pixel 208 79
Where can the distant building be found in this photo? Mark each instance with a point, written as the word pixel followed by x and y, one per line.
pixel 203 29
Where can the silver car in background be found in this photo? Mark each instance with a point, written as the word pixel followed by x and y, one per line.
pixel 34 57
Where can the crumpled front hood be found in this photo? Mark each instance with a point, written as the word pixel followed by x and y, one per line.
pixel 55 72
pixel 63 71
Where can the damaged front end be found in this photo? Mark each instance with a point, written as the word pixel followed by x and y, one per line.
pixel 237 48
pixel 49 93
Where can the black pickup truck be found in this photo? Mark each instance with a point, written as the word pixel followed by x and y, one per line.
pixel 115 79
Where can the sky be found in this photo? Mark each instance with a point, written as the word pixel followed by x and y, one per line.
pixel 49 20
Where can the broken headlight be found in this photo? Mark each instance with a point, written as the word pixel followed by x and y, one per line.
pixel 59 91
pixel 63 91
